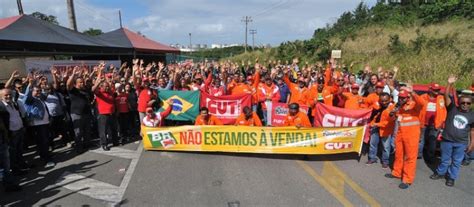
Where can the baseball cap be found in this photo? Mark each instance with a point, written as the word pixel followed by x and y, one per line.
pixel 149 110
pixel 379 85
pixel 435 86
pixel 294 106
pixel 355 85
pixel 403 94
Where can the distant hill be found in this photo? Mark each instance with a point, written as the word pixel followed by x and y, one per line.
pixel 427 41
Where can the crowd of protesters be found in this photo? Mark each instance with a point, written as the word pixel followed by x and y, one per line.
pixel 74 106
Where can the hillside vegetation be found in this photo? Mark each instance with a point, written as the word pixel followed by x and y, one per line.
pixel 427 41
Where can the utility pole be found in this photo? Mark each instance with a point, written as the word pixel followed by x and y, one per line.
pixel 120 19
pixel 246 19
pixel 71 14
pixel 190 44
pixel 253 32
pixel 20 7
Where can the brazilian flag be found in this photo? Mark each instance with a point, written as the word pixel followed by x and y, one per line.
pixel 185 104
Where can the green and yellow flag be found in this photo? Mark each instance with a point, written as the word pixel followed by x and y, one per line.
pixel 185 104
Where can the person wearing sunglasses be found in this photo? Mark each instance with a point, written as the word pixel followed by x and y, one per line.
pixel 406 111
pixel 459 124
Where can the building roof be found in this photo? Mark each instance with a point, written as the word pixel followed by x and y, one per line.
pixel 25 28
pixel 27 35
pixel 126 38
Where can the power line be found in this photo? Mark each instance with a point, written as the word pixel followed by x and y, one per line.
pixel 93 11
pixel 275 7
pixel 270 7
pixel 246 20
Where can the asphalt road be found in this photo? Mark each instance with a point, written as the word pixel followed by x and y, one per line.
pixel 130 176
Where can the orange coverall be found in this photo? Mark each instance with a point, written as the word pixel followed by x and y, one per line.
pixel 406 141
pixel 239 88
pixel 300 118
pixel 352 101
pixel 271 92
pixel 212 121
pixel 441 111
pixel 372 101
pixel 253 121
pixel 297 95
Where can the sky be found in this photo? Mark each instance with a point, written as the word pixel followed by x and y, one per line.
pixel 208 21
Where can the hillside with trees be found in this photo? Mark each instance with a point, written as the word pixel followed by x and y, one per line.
pixel 427 39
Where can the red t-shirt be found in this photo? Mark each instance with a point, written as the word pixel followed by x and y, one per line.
pixel 105 102
pixel 121 101
pixel 144 97
pixel 430 112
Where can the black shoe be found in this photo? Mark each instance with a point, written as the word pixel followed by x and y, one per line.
pixel 389 175
pixel 13 188
pixel 105 148
pixel 435 176
pixel 370 162
pixel 385 166
pixel 450 182
pixel 466 162
pixel 19 172
pixel 404 185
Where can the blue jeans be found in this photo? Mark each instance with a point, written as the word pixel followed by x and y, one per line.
pixel 452 154
pixel 394 134
pixel 374 143
pixel 428 134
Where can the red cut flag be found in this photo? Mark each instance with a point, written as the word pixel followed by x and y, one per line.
pixel 330 116
pixel 226 108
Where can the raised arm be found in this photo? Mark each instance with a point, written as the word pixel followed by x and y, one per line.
pixel 13 76
pixel 54 73
pixel 395 72
pixel 451 80
pixel 98 80
pixel 70 81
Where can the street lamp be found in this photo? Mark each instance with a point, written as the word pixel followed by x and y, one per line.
pixel 190 44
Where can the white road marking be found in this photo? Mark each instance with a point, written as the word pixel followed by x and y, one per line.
pixel 129 173
pixel 118 152
pixel 90 187
pixel 100 190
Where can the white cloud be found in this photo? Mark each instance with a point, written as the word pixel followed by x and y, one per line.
pixel 87 15
pixel 210 28
pixel 209 21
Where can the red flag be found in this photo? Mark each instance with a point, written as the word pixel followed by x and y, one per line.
pixel 329 116
pixel 226 108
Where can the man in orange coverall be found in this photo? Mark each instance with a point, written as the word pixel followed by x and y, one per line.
pixel 381 130
pixel 432 121
pixel 295 117
pixel 408 134
pixel 248 118
pixel 207 119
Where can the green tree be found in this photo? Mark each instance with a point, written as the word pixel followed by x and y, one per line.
pixel 93 32
pixel 49 18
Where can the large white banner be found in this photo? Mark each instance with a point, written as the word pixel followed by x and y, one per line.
pixel 45 65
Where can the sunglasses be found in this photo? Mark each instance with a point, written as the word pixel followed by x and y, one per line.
pixel 340 80
pixel 465 103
